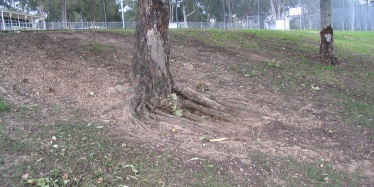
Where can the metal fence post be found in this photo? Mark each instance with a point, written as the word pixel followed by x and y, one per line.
pixel 123 15
pixel 258 14
pixel 353 15
pixel 105 19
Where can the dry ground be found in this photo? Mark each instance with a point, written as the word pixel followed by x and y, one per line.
pixel 58 70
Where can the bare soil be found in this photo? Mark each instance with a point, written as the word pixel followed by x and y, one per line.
pixel 88 72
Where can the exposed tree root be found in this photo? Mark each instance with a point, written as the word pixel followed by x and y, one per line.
pixel 136 120
pixel 199 98
pixel 192 121
pixel 139 116
pixel 209 111
pixel 191 100
pixel 198 102
pixel 215 127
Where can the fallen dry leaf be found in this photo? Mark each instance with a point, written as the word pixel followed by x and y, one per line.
pixel 25 176
pixel 110 170
pixel 65 176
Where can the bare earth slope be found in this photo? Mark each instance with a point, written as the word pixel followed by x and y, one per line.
pixel 88 71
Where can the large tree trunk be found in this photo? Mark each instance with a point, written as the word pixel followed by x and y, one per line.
pixel 151 78
pixel 327 40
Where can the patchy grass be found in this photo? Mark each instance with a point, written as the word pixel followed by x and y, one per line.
pixel 357 112
pixel 296 173
pixel 76 153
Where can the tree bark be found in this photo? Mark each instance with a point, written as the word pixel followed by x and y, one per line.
pixel 327 40
pixel 151 79
pixel 150 76
pixel 185 15
pixel 272 7
pixel 64 13
pixel 229 6
pixel 41 8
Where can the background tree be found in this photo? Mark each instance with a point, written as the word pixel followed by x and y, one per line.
pixel 327 38
pixel 52 9
pixel 189 8
pixel 245 8
pixel 212 10
pixel 230 15
pixel 130 14
pixel 278 8
pixel 5 3
pixel 75 11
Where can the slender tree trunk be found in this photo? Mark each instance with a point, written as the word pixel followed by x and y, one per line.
pixel 171 13
pixel 327 40
pixel 279 7
pixel 230 12
pixel 184 15
pixel 151 78
pixel 41 8
pixel 64 13
pixel 272 7
pixel 94 14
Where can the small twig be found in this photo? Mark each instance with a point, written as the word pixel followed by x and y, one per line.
pixel 80 178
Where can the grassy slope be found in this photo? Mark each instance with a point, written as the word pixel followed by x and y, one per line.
pixel 295 66
pixel 82 151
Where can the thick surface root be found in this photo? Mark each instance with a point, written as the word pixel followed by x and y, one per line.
pixel 216 113
pixel 198 102
pixel 192 101
pixel 199 98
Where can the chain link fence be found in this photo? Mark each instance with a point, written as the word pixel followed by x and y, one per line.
pixel 192 14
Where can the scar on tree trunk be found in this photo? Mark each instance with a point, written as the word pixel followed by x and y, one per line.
pixel 326 50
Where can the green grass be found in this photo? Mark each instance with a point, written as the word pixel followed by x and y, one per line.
pixel 4 106
pixel 357 42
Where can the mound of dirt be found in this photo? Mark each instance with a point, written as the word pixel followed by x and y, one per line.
pixel 88 71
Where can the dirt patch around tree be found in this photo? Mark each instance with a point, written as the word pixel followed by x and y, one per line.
pixel 89 72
